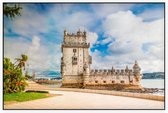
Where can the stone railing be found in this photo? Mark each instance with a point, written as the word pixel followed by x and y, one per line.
pixel 75 44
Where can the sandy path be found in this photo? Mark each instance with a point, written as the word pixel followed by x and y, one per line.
pixel 77 100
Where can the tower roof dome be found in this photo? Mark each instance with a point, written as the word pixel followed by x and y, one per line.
pixel 136 66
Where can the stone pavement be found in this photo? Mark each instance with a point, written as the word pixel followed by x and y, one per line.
pixel 78 100
pixel 35 86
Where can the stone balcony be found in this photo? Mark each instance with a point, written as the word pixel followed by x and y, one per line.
pixel 76 44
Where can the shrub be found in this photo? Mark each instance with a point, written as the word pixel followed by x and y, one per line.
pixel 37 91
pixel 13 80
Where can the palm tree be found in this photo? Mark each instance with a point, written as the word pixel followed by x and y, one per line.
pixel 11 10
pixel 22 61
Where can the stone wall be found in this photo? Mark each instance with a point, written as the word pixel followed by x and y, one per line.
pixel 107 76
pixel 72 81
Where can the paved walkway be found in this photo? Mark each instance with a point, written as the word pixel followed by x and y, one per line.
pixel 35 86
pixel 78 100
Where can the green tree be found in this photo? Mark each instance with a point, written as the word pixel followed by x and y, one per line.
pixel 13 79
pixel 11 10
pixel 22 61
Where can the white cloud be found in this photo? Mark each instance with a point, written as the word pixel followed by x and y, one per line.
pixel 35 45
pixel 130 33
pixel 92 38
pixel 30 24
pixel 106 40
pixel 102 10
pixel 13 49
pixel 40 58
pixel 153 14
pixel 66 17
pixel 99 62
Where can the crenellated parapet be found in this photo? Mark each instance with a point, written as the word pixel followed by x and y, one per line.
pixel 78 34
pixel 75 40
pixel 116 76
pixel 111 72
pixel 74 37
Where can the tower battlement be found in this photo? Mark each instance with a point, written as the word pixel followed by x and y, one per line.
pixel 78 33
pixel 75 38
pixel 111 72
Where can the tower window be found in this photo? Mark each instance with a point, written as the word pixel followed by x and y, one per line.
pixel 74 50
pixel 74 60
pixel 131 81
pixel 113 81
pixel 122 81
pixel 104 81
pixel 96 81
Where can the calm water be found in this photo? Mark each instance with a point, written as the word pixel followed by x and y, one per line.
pixel 153 83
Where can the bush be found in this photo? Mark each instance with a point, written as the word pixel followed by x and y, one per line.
pixel 37 91
pixel 13 80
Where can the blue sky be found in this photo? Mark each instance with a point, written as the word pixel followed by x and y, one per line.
pixel 119 34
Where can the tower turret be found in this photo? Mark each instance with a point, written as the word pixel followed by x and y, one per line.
pixel 112 69
pixel 65 32
pixel 126 69
pixel 84 33
pixel 136 68
pixel 79 32
pixel 136 71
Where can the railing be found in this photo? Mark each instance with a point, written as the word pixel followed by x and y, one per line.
pixel 75 44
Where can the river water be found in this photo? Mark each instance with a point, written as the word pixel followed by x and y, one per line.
pixel 154 83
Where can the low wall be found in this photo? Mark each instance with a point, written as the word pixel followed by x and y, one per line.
pixel 72 85
pixel 115 93
pixel 117 87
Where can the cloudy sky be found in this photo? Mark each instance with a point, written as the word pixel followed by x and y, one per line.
pixel 119 34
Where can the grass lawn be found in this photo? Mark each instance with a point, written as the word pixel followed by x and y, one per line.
pixel 24 96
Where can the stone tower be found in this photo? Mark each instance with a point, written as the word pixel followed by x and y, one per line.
pixel 75 61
